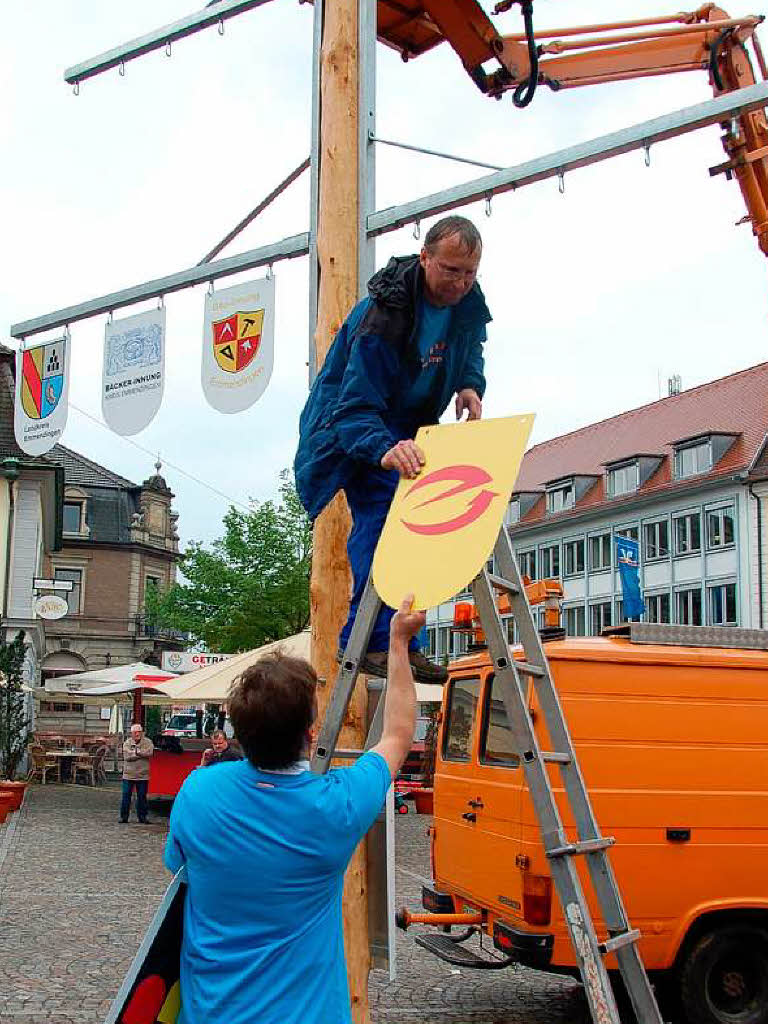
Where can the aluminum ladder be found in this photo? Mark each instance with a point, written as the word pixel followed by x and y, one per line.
pixel 512 674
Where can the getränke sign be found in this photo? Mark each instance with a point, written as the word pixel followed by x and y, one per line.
pixel 189 661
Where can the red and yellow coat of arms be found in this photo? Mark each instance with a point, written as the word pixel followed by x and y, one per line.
pixel 236 339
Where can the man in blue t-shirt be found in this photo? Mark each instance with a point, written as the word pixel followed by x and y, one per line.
pixel 398 360
pixel 265 843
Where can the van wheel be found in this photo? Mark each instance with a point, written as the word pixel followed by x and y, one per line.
pixel 724 977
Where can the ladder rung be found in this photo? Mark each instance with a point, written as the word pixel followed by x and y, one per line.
pixel 584 846
pixel 555 757
pixel 617 941
pixel 338 752
pixel 501 584
pixel 527 669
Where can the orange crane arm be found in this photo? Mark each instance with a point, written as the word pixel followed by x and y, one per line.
pixel 706 39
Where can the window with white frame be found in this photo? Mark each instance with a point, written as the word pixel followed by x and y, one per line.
pixel 573 556
pixel 656 540
pixel 599 617
pixel 623 479
pixel 576 620
pixel 657 608
pixel 687 533
pixel 508 623
pixel 74 596
pixel 720 527
pixel 527 562
pixel 512 515
pixel 560 498
pixel 549 561
pixel 631 532
pixel 74 517
pixel 688 607
pixel 721 602
pixel 429 650
pixel 693 459
pixel 619 611
pixel 600 552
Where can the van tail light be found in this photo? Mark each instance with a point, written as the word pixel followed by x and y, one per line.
pixel 537 898
pixel 431 833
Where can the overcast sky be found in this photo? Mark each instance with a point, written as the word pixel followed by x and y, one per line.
pixel 634 274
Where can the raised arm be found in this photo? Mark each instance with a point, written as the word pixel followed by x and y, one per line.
pixel 400 696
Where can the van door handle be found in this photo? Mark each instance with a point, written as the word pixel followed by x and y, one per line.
pixel 469 816
pixel 476 803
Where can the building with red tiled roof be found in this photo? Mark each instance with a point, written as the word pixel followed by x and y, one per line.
pixel 687 476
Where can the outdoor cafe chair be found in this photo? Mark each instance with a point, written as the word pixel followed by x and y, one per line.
pixel 85 763
pixel 42 764
pixel 98 763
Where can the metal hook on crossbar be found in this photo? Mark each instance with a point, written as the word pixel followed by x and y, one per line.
pixel 488 210
pixel 161 301
pixel 561 182
pixel 270 272
pixel 417 229
pixel 221 26
pixel 110 316
pixel 76 88
pixel 210 287
pixel 647 151
pixel 121 69
pixel 168 48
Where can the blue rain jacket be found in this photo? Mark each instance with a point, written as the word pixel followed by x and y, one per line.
pixel 359 404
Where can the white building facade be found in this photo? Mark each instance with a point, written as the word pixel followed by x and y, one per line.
pixel 695 501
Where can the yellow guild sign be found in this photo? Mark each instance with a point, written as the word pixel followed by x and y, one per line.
pixel 442 525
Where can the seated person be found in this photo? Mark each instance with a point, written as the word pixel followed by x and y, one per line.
pixel 219 750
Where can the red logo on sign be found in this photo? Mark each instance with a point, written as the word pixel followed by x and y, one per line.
pixel 468 477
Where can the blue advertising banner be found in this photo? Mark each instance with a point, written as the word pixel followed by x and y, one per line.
pixel 628 561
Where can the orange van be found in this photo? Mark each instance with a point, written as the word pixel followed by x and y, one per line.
pixel 673 745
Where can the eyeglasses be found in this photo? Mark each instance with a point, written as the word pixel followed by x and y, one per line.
pixel 454 273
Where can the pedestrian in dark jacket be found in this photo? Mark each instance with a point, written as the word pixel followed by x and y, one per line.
pixel 394 366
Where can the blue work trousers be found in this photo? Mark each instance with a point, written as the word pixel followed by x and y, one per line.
pixel 141 798
pixel 369 495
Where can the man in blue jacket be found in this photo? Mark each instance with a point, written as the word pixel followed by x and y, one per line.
pixel 394 366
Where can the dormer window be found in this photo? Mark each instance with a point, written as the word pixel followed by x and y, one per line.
pixel 513 512
pixel 74 513
pixel 700 454
pixel 560 496
pixel 693 459
pixel 623 479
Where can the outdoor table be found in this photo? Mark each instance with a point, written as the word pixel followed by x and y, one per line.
pixel 67 756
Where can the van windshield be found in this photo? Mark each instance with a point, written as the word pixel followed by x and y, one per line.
pixel 181 722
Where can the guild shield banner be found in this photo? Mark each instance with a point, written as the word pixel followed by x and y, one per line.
pixel 42 387
pixel 442 526
pixel 238 344
pixel 133 376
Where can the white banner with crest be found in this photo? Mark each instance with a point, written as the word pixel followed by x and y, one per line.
pixel 238 344
pixel 133 374
pixel 42 392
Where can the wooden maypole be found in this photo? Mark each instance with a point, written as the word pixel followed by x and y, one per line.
pixel 338 289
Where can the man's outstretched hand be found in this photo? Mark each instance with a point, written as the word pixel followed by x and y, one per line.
pixel 469 400
pixel 406 457
pixel 406 622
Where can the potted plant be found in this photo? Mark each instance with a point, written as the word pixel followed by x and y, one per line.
pixel 14 723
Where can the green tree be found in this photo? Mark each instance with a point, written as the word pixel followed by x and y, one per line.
pixel 14 723
pixel 251 586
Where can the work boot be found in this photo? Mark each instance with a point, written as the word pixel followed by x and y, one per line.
pixel 374 663
pixel 425 671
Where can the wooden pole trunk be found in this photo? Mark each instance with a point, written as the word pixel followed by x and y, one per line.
pixel 337 241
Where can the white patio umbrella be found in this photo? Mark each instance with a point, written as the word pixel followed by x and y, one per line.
pixel 213 682
pixel 106 677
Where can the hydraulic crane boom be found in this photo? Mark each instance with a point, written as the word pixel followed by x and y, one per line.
pixel 705 39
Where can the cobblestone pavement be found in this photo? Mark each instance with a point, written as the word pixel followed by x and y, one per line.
pixel 77 890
